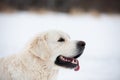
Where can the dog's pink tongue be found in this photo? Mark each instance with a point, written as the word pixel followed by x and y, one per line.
pixel 77 68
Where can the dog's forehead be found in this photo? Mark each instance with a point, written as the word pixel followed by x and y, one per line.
pixel 58 34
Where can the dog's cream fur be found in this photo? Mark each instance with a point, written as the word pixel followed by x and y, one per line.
pixel 36 62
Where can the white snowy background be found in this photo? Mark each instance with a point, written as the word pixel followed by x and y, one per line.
pixel 101 58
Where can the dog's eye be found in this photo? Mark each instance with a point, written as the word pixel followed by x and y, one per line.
pixel 61 40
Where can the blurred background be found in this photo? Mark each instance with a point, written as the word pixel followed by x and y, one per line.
pixel 97 22
pixel 106 6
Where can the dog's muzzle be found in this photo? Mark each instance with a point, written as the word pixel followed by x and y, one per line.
pixel 71 62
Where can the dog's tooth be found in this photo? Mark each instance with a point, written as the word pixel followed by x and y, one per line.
pixel 65 59
pixel 74 61
pixel 62 58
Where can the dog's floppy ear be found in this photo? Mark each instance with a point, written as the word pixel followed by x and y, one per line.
pixel 39 47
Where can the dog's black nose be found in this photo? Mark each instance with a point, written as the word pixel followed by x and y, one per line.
pixel 81 43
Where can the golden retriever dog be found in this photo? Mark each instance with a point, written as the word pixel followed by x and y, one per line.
pixel 43 57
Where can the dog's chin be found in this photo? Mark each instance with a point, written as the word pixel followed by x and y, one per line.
pixel 68 62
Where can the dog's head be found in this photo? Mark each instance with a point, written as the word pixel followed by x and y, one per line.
pixel 56 47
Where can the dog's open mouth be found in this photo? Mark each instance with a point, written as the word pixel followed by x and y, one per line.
pixel 68 62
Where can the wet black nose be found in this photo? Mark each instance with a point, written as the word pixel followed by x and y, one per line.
pixel 81 44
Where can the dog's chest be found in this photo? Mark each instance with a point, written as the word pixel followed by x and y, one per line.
pixel 33 73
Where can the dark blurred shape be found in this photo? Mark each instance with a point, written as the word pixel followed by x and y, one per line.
pixel 105 6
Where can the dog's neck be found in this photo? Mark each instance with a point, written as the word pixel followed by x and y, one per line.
pixel 44 68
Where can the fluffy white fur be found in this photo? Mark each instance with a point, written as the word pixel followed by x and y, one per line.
pixel 36 62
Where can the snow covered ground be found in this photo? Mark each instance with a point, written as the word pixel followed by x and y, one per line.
pixel 101 58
